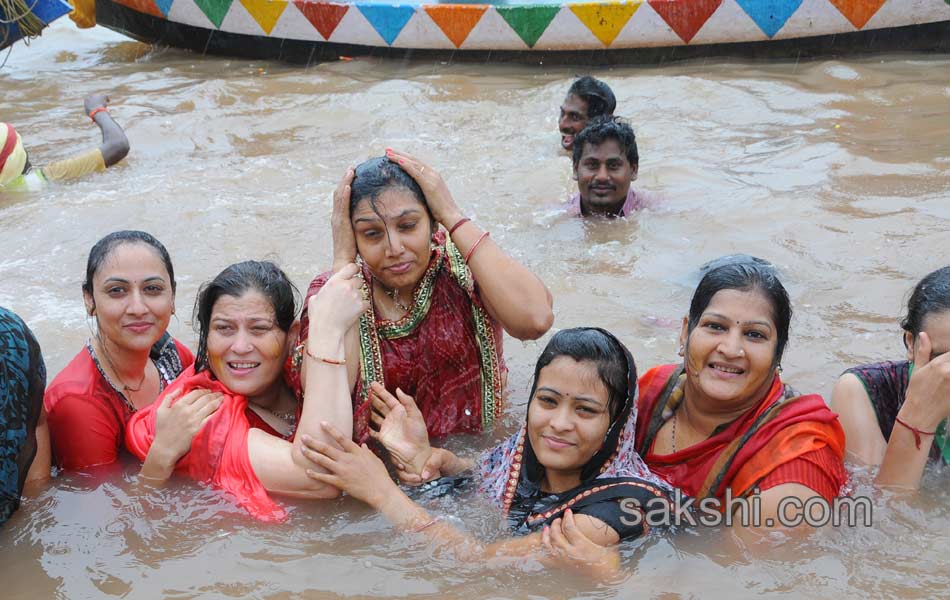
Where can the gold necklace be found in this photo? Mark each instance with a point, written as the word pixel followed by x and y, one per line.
pixel 125 387
pixel 394 294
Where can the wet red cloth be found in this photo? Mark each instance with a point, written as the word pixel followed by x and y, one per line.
pixel 219 453
pixel 802 443
pixel 86 415
pixel 437 363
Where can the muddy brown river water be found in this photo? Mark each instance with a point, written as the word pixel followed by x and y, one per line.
pixel 838 171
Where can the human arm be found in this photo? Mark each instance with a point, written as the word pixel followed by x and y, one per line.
pixel 40 468
pixel 511 293
pixel 279 465
pixel 926 404
pixel 177 422
pixel 865 442
pixel 582 542
pixel 115 144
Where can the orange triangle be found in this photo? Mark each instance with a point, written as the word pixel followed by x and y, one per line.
pixel 859 12
pixel 456 20
pixel 265 12
pixel 143 6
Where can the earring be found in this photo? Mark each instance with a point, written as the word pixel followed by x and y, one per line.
pixel 681 350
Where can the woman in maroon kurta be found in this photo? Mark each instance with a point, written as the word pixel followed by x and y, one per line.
pixel 439 300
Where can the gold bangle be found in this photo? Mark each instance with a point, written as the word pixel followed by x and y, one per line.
pixel 329 361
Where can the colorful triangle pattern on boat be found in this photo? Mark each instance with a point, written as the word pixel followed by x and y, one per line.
pixel 859 12
pixel 456 20
pixel 324 16
pixel 529 22
pixel 143 6
pixel 265 12
pixel 387 19
pixel 769 15
pixel 164 6
pixel 604 20
pixel 685 18
pixel 215 10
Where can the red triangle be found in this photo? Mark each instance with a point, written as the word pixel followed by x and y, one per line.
pixel 143 6
pixel 685 17
pixel 324 16
pixel 859 12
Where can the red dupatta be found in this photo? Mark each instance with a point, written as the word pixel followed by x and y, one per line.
pixel 219 453
pixel 779 429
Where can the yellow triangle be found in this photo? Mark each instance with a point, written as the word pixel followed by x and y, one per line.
pixel 265 12
pixel 605 20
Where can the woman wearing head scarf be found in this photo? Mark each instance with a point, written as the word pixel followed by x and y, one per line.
pixel 569 481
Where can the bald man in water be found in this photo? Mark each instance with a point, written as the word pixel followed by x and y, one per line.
pixel 18 175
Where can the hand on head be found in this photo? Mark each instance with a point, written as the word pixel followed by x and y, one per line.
pixel 344 242
pixel 930 381
pixel 437 194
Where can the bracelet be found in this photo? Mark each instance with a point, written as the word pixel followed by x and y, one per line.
pixel 458 224
pixel 427 525
pixel 474 246
pixel 329 361
pixel 96 111
pixel 917 432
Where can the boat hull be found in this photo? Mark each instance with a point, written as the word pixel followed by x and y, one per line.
pixel 609 32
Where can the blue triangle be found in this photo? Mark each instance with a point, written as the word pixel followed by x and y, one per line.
pixel 164 5
pixel 387 19
pixel 770 15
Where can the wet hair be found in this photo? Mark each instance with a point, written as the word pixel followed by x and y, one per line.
pixel 749 275
pixel 602 129
pixel 598 95
pixel 376 175
pixel 261 276
pixel 931 295
pixel 104 247
pixel 591 344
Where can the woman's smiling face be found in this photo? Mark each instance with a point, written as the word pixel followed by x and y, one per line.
pixel 730 353
pixel 246 346
pixel 568 417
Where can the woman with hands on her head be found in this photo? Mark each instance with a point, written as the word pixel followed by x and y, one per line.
pixel 895 413
pixel 249 445
pixel 569 480
pixel 438 300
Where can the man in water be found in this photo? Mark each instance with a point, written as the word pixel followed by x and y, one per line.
pixel 605 165
pixel 586 99
pixel 17 174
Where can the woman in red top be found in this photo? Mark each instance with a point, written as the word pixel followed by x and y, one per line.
pixel 438 299
pixel 247 445
pixel 723 419
pixel 130 290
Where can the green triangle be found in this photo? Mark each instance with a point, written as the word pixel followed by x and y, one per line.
pixel 529 22
pixel 215 10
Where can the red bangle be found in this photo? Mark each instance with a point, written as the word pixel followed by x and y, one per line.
pixel 474 246
pixel 917 432
pixel 329 361
pixel 458 224
pixel 96 111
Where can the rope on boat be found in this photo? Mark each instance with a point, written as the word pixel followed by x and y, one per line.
pixel 17 12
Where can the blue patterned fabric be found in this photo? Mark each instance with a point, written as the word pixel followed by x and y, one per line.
pixel 22 382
